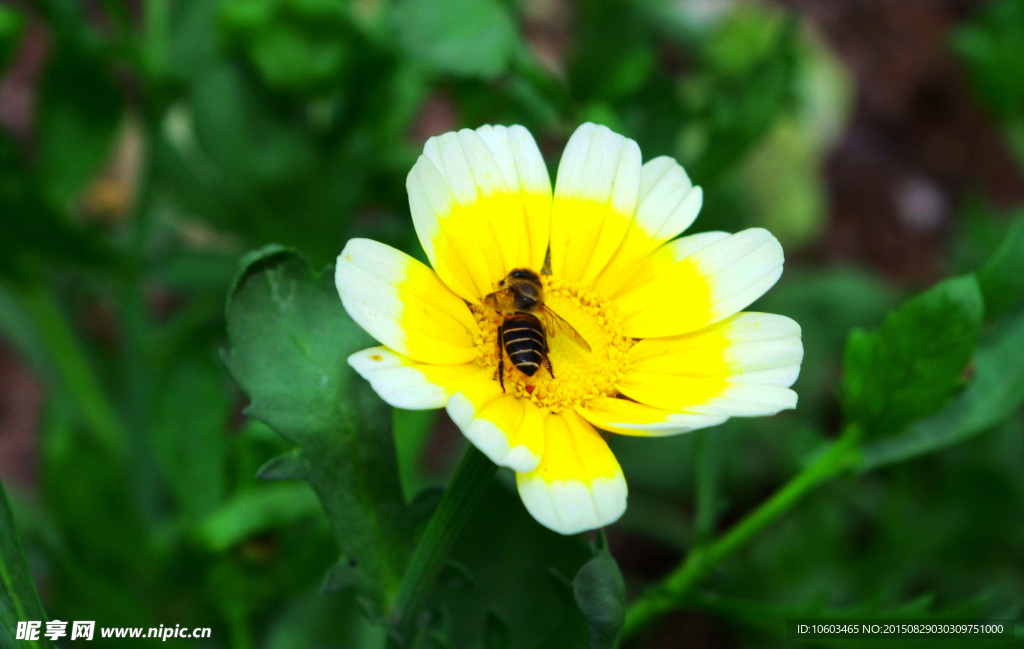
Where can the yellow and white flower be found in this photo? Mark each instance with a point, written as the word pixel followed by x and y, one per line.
pixel 670 349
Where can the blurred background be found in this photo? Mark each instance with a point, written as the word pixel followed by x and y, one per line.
pixel 146 145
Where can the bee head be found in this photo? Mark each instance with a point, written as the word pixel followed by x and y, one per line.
pixel 522 274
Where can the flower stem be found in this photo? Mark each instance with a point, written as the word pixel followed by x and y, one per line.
pixel 701 560
pixel 461 497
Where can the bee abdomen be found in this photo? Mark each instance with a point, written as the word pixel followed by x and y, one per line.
pixel 525 342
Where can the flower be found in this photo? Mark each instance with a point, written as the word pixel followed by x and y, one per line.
pixel 669 349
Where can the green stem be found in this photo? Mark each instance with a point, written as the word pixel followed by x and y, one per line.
pixel 706 462
pixel 458 502
pixel 74 369
pixel 701 560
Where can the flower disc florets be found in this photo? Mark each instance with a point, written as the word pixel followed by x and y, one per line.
pixel 580 375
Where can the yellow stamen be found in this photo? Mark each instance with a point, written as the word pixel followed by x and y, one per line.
pixel 580 375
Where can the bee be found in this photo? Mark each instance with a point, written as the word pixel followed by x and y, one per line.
pixel 522 334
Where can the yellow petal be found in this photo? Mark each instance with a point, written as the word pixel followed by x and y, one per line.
pixel 578 484
pixel 403 304
pixel 668 204
pixel 405 383
pixel 595 198
pixel 695 281
pixel 507 430
pixel 479 202
pixel 742 366
pixel 631 418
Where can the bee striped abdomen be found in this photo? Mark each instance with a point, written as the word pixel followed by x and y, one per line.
pixel 525 342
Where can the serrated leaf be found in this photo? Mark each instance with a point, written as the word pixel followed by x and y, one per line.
pixel 290 339
pixel 18 598
pixel 283 467
pixel 993 394
pixel 512 560
pixel 600 592
pixel 346 575
pixel 911 365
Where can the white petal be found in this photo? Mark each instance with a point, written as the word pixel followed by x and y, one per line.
pixel 404 383
pixel 403 304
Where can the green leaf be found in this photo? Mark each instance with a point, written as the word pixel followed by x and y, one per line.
pixel 473 38
pixel 18 599
pixel 332 622
pixel 102 525
pixel 994 393
pixel 189 436
pixel 512 560
pixel 33 233
pixel 297 45
pixel 1002 277
pixel 79 112
pixel 600 593
pixel 911 365
pixel 237 127
pixel 289 343
pixel 254 511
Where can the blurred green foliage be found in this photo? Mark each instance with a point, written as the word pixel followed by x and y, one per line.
pixel 170 138
pixel 991 45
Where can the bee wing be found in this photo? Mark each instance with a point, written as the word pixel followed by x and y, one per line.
pixel 557 324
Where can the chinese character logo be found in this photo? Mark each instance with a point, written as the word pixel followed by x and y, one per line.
pixel 82 630
pixel 28 630
pixel 56 629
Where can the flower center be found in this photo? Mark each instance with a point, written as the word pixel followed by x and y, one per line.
pixel 580 374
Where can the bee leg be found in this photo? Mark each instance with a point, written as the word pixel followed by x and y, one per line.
pixel 501 359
